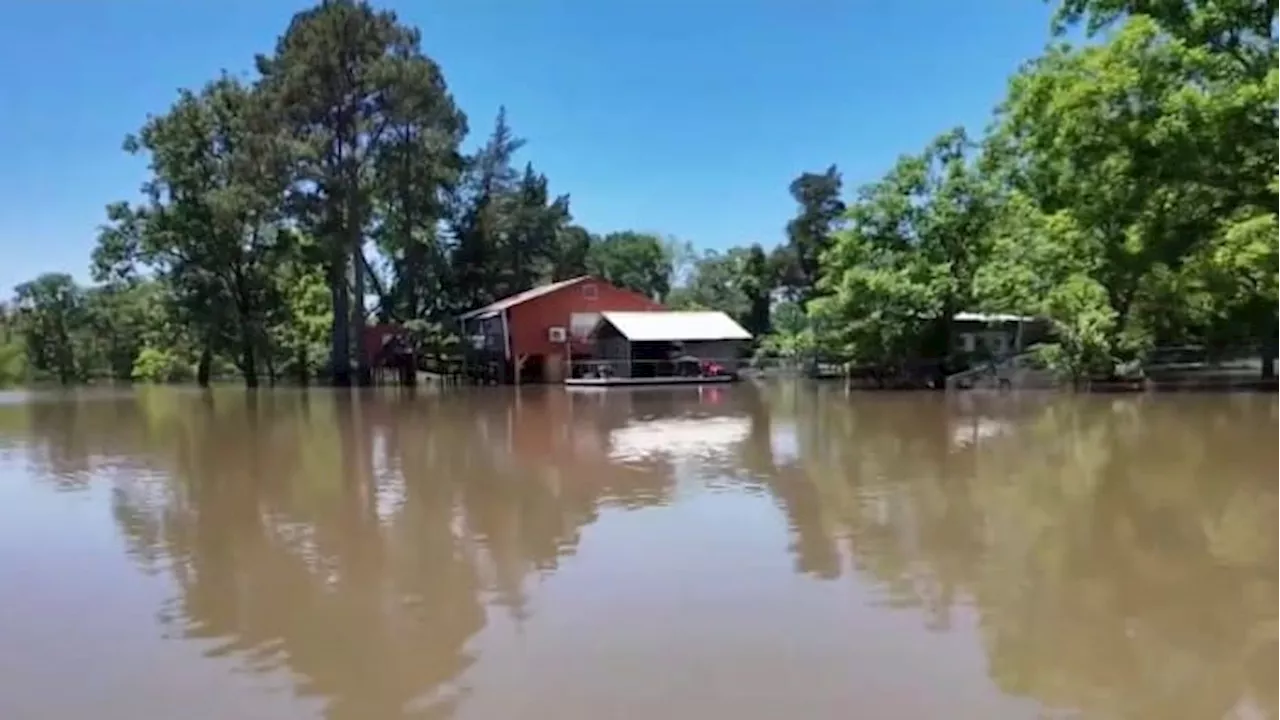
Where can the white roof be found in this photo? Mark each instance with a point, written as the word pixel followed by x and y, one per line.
pixel 661 325
pixel 991 317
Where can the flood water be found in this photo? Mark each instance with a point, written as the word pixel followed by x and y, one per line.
pixel 750 552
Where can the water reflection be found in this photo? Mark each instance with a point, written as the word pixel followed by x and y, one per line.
pixel 1117 556
pixel 1121 553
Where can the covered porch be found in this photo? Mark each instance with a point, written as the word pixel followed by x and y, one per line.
pixel 633 348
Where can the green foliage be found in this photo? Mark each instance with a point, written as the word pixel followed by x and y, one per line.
pixel 13 364
pixel 247 251
pixel 713 283
pixel 50 311
pixel 756 282
pixel 894 277
pixel 797 264
pixel 633 260
pixel 1083 325
pixel 510 233
pixel 739 282
pixel 210 229
pixel 153 365
pixel 572 247
pixel 1045 266
pixel 13 351
pixel 375 138
pixel 791 337
pixel 1126 194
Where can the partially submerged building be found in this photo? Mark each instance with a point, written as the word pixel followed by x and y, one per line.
pixel 662 346
pixel 587 328
pixel 533 336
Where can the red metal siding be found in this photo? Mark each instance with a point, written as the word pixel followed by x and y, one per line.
pixel 530 321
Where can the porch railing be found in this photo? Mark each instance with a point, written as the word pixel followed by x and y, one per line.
pixel 626 367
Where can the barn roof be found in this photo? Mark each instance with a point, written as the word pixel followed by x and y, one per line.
pixel 521 297
pixel 656 325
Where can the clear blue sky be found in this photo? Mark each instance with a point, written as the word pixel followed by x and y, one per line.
pixel 685 118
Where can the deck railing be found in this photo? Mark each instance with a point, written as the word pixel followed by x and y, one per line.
pixel 627 367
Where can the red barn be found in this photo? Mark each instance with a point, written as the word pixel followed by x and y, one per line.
pixel 531 332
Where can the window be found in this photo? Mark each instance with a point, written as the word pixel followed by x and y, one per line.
pixel 590 292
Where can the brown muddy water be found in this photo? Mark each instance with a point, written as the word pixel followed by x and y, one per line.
pixel 781 551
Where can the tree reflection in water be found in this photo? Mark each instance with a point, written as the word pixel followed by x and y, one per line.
pixel 1120 552
pixel 350 539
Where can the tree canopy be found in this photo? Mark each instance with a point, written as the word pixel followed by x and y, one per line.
pixel 1126 192
pixel 286 209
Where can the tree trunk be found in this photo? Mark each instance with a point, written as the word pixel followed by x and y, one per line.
pixel 1268 360
pixel 340 336
pixel 66 358
pixel 248 363
pixel 205 369
pixel 304 363
pixel 363 374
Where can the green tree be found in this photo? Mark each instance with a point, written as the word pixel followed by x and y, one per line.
pixel 51 312
pixel 1045 266
pixel 303 321
pixel 810 233
pixel 1216 131
pixel 1158 143
pixel 510 234
pixel 536 219
pixel 758 282
pixel 419 166
pixel 790 337
pixel 340 76
pixel 895 277
pixel 481 216
pixel 633 260
pixel 739 282
pixel 1234 280
pixel 713 283
pixel 573 244
pixel 13 353
pixel 125 319
pixel 212 227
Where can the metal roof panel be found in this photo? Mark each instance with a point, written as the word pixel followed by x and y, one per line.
pixel 657 325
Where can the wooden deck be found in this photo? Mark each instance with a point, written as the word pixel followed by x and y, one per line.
pixel 607 382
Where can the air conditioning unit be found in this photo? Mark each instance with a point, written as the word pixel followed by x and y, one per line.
pixel 557 334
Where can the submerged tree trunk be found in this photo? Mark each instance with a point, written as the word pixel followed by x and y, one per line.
pixel 363 374
pixel 340 336
pixel 205 369
pixel 304 365
pixel 248 363
pixel 1268 358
